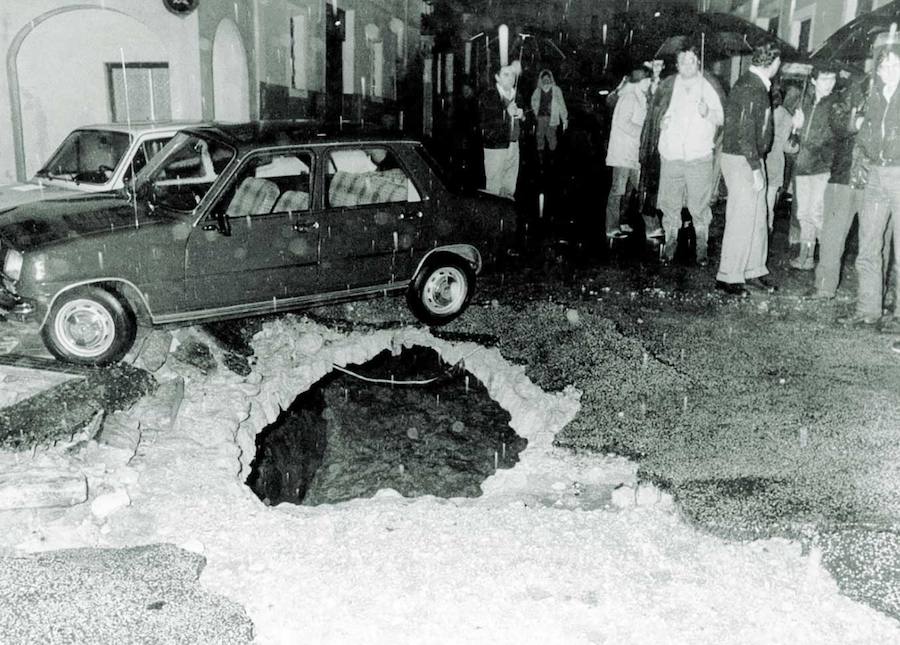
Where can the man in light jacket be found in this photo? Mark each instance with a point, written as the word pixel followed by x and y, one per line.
pixel 624 145
pixel 687 112
pixel 549 107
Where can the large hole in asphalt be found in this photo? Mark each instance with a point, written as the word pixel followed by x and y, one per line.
pixel 409 422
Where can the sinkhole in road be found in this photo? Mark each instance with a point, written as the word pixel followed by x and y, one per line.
pixel 409 422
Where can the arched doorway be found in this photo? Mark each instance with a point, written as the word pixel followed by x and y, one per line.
pixel 231 84
pixel 63 71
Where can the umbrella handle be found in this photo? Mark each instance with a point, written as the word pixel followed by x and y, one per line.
pixel 702 51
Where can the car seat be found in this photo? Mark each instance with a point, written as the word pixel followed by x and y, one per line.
pixel 253 197
pixel 292 200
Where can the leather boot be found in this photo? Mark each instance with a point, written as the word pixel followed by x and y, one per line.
pixel 804 260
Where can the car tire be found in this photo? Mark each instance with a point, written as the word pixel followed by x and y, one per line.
pixel 442 289
pixel 89 326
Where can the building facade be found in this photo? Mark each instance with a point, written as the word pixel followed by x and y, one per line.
pixel 74 63
pixel 803 23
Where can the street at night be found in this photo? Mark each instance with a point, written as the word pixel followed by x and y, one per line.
pixel 454 323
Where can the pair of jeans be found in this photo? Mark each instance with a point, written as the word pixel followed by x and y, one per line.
pixel 624 182
pixel 501 170
pixel 685 183
pixel 842 203
pixel 745 243
pixel 545 134
pixel 882 198
pixel 810 198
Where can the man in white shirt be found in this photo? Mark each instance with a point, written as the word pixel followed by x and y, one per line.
pixel 687 138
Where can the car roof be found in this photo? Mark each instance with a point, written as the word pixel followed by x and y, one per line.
pixel 253 135
pixel 140 127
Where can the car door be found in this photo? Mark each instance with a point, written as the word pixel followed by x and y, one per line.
pixel 372 211
pixel 257 247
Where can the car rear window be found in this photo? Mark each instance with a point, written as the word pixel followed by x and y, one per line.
pixel 436 166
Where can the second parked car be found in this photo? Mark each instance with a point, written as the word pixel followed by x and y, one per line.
pixel 92 159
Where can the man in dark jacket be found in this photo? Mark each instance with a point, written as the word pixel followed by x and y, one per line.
pixel 812 121
pixel 845 191
pixel 879 140
pixel 500 115
pixel 745 141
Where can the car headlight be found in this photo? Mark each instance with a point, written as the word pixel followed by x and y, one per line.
pixel 12 264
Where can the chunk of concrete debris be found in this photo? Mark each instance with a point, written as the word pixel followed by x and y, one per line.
pixel 154 350
pixel 41 487
pixel 120 430
pixel 105 505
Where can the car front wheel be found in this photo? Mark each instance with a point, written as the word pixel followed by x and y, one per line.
pixel 90 326
pixel 442 289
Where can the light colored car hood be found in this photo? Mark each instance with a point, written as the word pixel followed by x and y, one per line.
pixel 26 193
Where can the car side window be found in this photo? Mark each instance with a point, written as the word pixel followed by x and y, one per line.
pixel 270 183
pixel 145 152
pixel 366 175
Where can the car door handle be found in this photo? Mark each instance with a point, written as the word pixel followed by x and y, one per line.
pixel 306 228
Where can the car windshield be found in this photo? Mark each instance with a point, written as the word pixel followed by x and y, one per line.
pixel 179 177
pixel 87 156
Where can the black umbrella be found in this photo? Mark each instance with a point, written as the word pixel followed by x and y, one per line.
pixel 851 45
pixel 645 33
pixel 723 35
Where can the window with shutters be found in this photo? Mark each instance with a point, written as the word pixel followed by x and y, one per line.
pixel 138 92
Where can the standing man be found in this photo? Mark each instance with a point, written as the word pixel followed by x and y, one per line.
pixel 845 193
pixel 748 132
pixel 687 109
pixel 649 159
pixel 500 118
pixel 813 120
pixel 548 104
pixel 781 117
pixel 879 140
pixel 624 143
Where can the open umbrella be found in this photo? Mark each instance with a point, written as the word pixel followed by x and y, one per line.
pixel 723 35
pixel 642 35
pixel 851 45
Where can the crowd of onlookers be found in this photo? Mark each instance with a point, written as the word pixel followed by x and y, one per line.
pixel 671 139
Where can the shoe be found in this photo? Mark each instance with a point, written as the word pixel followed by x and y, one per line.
pixel 761 284
pixel 625 228
pixel 732 288
pixel 657 232
pixel 805 260
pixel 891 326
pixel 816 295
pixel 859 320
pixel 702 262
pixel 895 347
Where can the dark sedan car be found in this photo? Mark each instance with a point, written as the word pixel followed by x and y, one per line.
pixel 235 220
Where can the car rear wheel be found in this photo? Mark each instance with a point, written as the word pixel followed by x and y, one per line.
pixel 442 289
pixel 90 326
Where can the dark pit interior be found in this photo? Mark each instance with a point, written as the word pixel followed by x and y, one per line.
pixel 347 437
